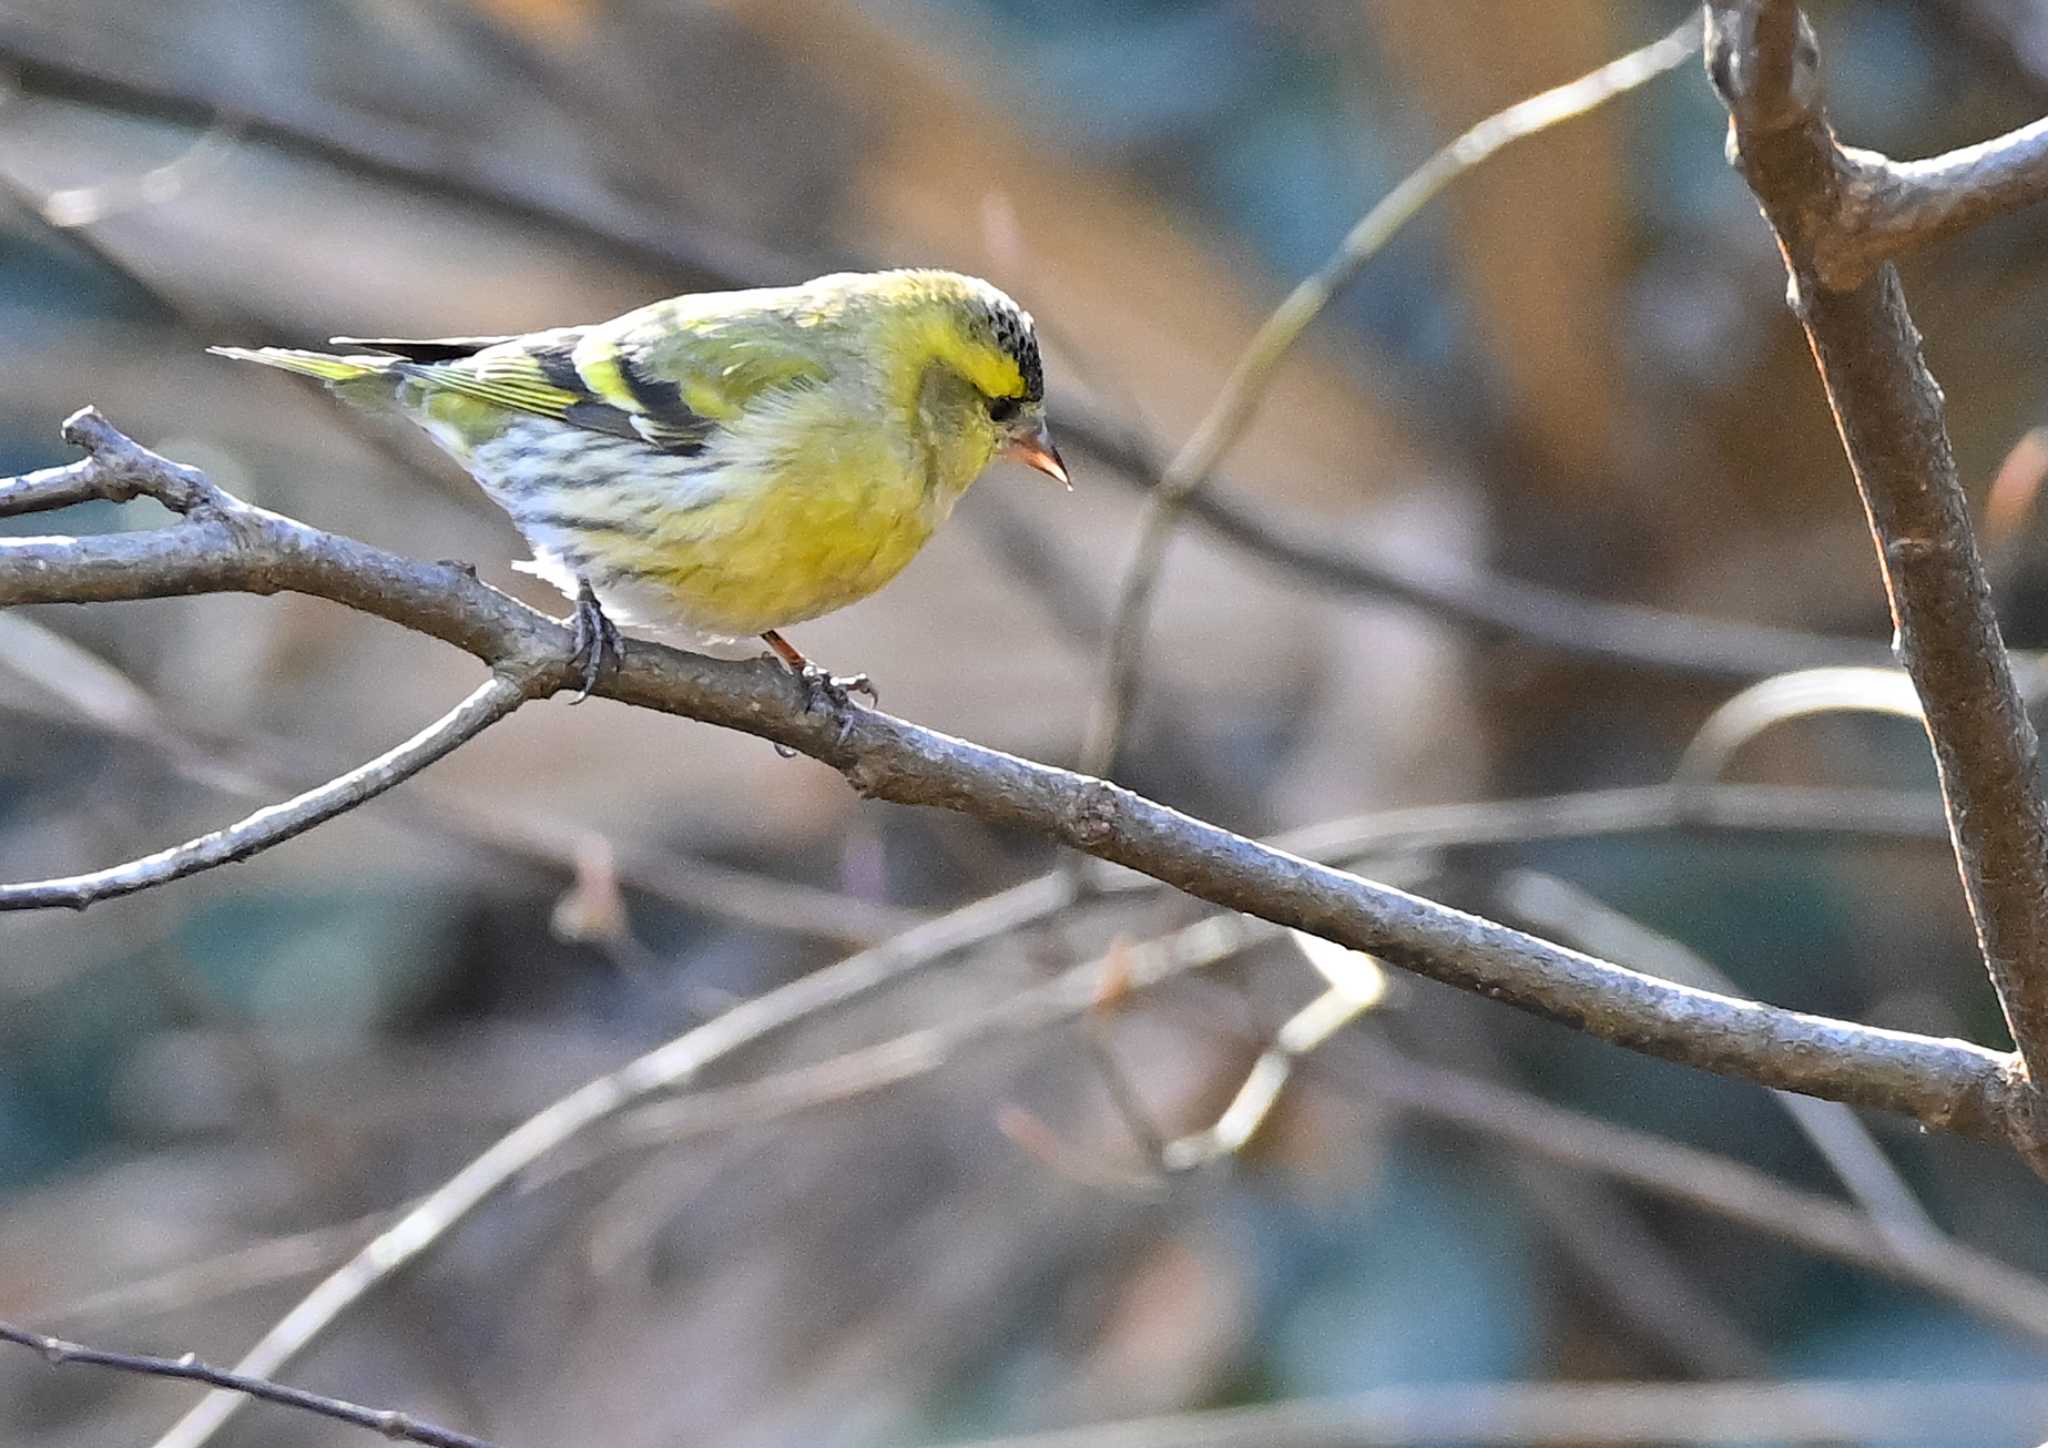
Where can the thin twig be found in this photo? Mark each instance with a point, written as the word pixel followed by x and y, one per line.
pixel 95 695
pixel 492 700
pixel 232 546
pixel 1245 388
pixel 1464 595
pixel 396 1426
pixel 1586 1415
pixel 1889 411
pixel 1844 1142
pixel 224 1274
pixel 1648 1278
pixel 1892 207
pixel 1763 706
pixel 1936 1264
pixel 49 61
pixel 115 469
pixel 674 1063
pixel 1586 814
pixel 663 1069
pixel 1075 991
pixel 1714 1184
pixel 1356 985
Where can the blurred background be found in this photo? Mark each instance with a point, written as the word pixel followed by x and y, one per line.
pixel 1575 371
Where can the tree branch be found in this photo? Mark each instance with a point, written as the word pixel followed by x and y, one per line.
pixel 1585 1414
pixel 1891 207
pixel 1925 1257
pixel 493 700
pixel 1625 634
pixel 115 469
pixel 1717 1184
pixel 98 697
pixel 665 1068
pixel 1250 376
pixel 1888 409
pixel 1946 1084
pixel 396 1426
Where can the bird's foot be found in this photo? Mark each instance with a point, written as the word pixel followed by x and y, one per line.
pixel 598 641
pixel 822 687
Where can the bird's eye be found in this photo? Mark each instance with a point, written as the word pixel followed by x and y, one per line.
pixel 1003 409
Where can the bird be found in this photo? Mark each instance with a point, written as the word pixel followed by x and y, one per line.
pixel 724 464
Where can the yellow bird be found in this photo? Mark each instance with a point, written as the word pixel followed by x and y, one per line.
pixel 725 464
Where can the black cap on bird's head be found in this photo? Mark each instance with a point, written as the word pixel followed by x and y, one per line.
pixel 1016 336
pixel 1028 441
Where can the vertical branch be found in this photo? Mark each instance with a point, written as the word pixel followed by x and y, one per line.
pixel 1889 411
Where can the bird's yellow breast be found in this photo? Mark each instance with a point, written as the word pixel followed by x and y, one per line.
pixel 826 528
pixel 783 519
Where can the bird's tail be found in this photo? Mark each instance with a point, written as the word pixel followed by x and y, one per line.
pixel 329 367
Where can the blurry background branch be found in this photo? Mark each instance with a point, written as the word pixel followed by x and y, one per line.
pixel 1244 390
pixel 1575 1415
pixel 1493 605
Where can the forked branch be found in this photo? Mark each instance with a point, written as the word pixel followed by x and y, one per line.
pixel 230 546
pixel 1762 58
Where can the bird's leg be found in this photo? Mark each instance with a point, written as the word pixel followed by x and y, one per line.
pixel 597 639
pixel 816 681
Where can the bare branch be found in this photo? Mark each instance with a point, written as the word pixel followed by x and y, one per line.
pixel 1946 1084
pixel 1891 207
pixel 240 1269
pixel 1586 1415
pixel 1249 378
pixel 497 697
pixel 1836 1132
pixel 115 469
pixel 665 1068
pixel 231 546
pixel 1888 409
pixel 396 1426
pixel 1979 1282
pixel 1715 1184
pixel 1587 814
pixel 1801 694
pixel 1926 1258
pixel 97 696
pixel 1492 605
pixel 383 147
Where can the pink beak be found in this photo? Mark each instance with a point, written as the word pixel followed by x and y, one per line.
pixel 1034 449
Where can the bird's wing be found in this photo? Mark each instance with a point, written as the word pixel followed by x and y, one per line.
pixel 658 376
pixel 421 349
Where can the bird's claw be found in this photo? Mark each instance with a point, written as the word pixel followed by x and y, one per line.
pixel 598 641
pixel 821 686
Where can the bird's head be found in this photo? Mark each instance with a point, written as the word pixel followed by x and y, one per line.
pixel 979 385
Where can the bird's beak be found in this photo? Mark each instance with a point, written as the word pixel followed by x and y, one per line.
pixel 1034 449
